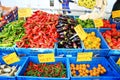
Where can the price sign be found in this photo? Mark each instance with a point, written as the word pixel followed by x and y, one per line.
pixel 11 58
pixel 81 33
pixel 118 62
pixel 24 12
pixel 98 22
pixel 116 14
pixel 49 57
pixel 84 56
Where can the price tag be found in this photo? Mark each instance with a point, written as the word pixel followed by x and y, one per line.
pixel 24 12
pixel 118 62
pixel 81 33
pixel 84 56
pixel 116 14
pixel 11 58
pixel 46 57
pixel 98 22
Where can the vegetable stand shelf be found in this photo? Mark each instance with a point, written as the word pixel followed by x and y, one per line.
pixel 110 72
pixel 103 50
pixel 69 44
pixel 11 75
pixel 111 36
pixel 35 62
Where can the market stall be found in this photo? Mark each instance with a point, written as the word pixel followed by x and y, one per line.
pixel 44 45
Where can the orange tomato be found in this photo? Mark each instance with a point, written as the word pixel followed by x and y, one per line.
pixel 72 65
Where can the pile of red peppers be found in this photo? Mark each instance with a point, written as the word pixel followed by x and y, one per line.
pixel 57 70
pixel 40 31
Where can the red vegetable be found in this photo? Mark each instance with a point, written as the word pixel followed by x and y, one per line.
pixel 40 30
pixel 113 38
pixel 106 24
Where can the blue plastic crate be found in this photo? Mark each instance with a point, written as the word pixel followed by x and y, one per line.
pixel 68 52
pixel 104 47
pixel 111 73
pixel 19 66
pixel 117 23
pixel 6 50
pixel 113 60
pixel 112 51
pixel 34 59
pixel 33 51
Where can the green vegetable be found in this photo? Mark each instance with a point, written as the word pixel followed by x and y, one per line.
pixel 46 70
pixel 86 23
pixel 11 33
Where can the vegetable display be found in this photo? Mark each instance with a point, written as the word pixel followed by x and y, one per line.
pixel 106 24
pixel 65 29
pixel 11 33
pixel 92 42
pixel 84 70
pixel 112 37
pixel 6 70
pixel 86 23
pixel 46 70
pixel 40 31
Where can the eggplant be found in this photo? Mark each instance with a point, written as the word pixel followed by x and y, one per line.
pixel 61 25
pixel 63 33
pixel 75 39
pixel 61 36
pixel 62 29
pixel 66 46
pixel 67 35
pixel 69 43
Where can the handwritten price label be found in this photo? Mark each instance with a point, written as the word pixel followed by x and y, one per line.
pixel 24 12
pixel 11 58
pixel 81 33
pixel 98 22
pixel 118 62
pixel 116 14
pixel 84 56
pixel 46 57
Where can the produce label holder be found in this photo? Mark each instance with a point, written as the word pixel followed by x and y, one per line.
pixel 11 58
pixel 24 12
pixel 80 32
pixel 84 56
pixel 118 62
pixel 98 23
pixel 49 57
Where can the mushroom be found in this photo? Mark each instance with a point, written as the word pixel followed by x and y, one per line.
pixel 13 70
pixel 1 71
pixel 7 70
pixel 2 66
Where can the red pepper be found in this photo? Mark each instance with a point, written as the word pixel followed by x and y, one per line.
pixel 40 30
